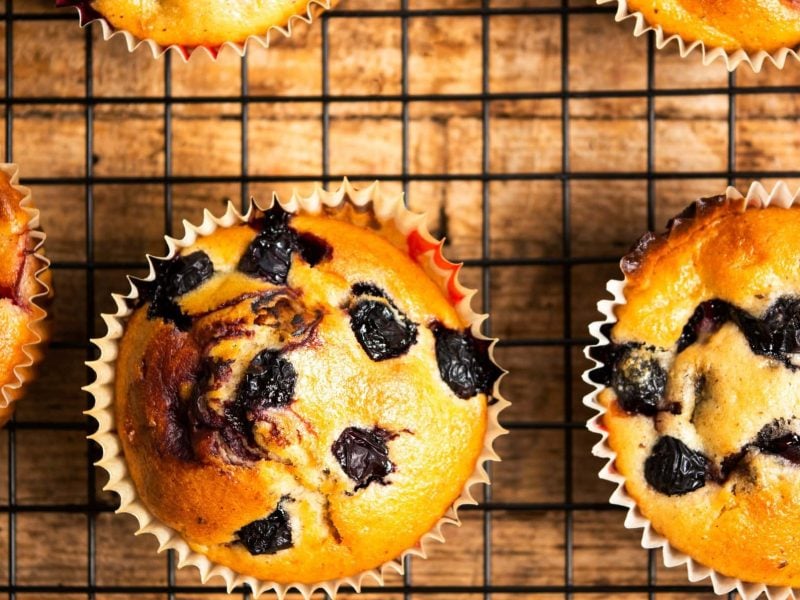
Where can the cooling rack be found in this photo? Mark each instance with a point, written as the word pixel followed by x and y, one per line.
pixel 542 138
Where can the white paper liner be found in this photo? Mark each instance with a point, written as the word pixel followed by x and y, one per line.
pixel 132 42
pixel 732 59
pixel 757 197
pixel 387 209
pixel 33 350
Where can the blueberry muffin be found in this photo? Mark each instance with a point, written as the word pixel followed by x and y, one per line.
pixel 296 396
pixel 193 23
pixel 21 327
pixel 702 386
pixel 751 25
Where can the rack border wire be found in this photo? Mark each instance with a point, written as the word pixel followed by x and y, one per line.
pixel 12 458
pixel 486 262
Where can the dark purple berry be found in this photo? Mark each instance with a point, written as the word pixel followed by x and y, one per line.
pixel 464 362
pixel 687 214
pixel 707 318
pixel 777 334
pixel 185 273
pixel 698 207
pixel 729 464
pixel 381 329
pixel 363 455
pixel 268 383
pixel 274 218
pixel 639 381
pixel 162 307
pixel 774 439
pixel 269 255
pixel 787 446
pixel 177 276
pixel 174 278
pixel 269 535
pixel 636 255
pixel 364 288
pixel 313 249
pixel 675 469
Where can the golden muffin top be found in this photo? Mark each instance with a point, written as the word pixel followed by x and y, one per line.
pixel 703 388
pixel 298 398
pixel 751 25
pixel 192 23
pixel 18 282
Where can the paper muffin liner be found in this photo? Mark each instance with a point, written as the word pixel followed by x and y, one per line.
pixel 88 15
pixel 731 58
pixel 757 197
pixel 33 351
pixel 423 248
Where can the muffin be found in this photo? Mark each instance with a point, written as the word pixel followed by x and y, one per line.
pixel 699 387
pixel 738 31
pixel 22 289
pixel 297 396
pixel 191 24
pixel 749 25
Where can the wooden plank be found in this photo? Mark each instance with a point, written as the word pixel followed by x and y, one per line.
pixel 284 139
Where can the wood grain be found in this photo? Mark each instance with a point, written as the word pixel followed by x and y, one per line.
pixel 285 139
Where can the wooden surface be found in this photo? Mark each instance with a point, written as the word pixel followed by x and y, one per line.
pixel 284 139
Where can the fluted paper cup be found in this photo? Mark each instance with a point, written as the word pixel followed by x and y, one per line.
pixel 731 58
pixel 88 15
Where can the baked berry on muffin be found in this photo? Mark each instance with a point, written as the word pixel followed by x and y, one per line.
pixel 193 23
pixel 702 386
pixel 21 328
pixel 750 25
pixel 297 398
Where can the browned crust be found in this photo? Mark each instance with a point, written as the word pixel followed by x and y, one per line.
pixel 683 222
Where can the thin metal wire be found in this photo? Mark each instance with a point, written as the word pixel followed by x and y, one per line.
pixel 407 560
pixel 326 115
pixel 91 528
pixel 437 177
pixel 731 128
pixel 486 251
pixel 484 506
pixel 731 165
pixel 565 261
pixel 651 201
pixel 244 168
pixel 411 98
pixel 12 435
pixel 168 143
pixel 566 290
pixel 245 133
pixel 384 14
pixel 131 591
pixel 168 208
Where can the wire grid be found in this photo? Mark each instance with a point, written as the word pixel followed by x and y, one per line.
pixel 567 587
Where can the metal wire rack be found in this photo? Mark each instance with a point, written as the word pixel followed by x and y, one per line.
pixel 556 547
